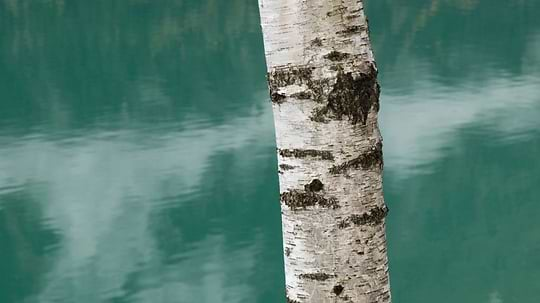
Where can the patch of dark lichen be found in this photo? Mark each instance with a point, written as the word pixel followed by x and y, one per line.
pixel 286 166
pixel 354 96
pixel 320 115
pixel 277 97
pixel 302 95
pixel 336 56
pixel 351 96
pixel 367 160
pixel 316 42
pixel 349 30
pixel 303 153
pixel 317 90
pixel 289 75
pixel 313 186
pixel 319 276
pixel 373 217
pixel 338 289
pixel 296 199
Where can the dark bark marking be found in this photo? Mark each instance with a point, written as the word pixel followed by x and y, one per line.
pixel 289 76
pixel 350 30
pixel 299 75
pixel 296 199
pixel 316 42
pixel 319 115
pixel 367 160
pixel 336 56
pixel 315 185
pixel 303 153
pixel 344 224
pixel 289 300
pixel 286 166
pixel 373 217
pixel 338 289
pixel 319 276
pixel 288 251
pixel 277 97
pixel 301 95
pixel 338 11
pixel 351 96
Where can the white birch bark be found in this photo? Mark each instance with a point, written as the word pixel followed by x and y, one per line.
pixel 322 79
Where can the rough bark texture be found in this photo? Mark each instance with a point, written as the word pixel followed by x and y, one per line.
pixel 324 92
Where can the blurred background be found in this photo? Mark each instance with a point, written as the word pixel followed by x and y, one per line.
pixel 137 154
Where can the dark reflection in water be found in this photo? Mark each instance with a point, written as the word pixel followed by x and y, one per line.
pixel 137 157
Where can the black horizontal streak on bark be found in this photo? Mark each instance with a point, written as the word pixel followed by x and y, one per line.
pixel 304 153
pixel 319 276
pixel 336 56
pixel 373 217
pixel 350 30
pixel 289 76
pixel 301 95
pixel 286 166
pixel 370 159
pixel 296 199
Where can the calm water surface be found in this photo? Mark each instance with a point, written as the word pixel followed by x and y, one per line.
pixel 137 157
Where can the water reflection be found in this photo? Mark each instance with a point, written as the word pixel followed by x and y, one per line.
pixel 443 69
pixel 460 118
pixel 27 242
pixel 423 125
pixel 144 126
pixel 127 209
pixel 137 161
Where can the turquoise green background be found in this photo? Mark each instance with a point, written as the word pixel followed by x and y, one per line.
pixel 137 157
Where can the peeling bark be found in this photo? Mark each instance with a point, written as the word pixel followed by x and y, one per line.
pixel 323 84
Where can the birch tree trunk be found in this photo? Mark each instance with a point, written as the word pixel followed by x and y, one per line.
pixel 325 98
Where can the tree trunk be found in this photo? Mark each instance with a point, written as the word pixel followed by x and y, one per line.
pixel 325 98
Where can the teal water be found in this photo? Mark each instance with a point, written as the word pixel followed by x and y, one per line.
pixel 137 157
